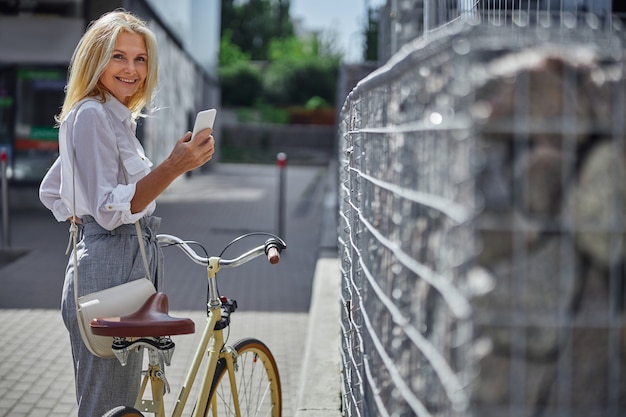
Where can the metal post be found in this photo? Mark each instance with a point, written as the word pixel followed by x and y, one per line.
pixel 281 161
pixel 426 20
pixel 5 198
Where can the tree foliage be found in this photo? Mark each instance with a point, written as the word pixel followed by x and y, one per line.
pixel 255 23
pixel 295 82
pixel 241 83
pixel 263 63
pixel 230 53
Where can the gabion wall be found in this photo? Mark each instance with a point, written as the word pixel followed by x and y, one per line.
pixel 481 224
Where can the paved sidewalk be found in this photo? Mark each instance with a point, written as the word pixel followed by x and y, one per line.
pixel 36 377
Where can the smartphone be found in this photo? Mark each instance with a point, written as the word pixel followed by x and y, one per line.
pixel 204 120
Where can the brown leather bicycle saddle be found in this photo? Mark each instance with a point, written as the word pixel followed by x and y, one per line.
pixel 151 320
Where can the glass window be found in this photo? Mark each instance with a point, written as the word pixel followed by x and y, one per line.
pixel 7 101
pixel 38 98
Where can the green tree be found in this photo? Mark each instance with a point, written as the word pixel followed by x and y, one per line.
pixel 291 48
pixel 240 79
pixel 230 53
pixel 254 23
pixel 262 63
pixel 300 69
pixel 241 84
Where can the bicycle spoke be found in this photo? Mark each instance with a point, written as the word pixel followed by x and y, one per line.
pixel 258 385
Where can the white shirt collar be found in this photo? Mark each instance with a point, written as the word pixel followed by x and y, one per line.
pixel 118 109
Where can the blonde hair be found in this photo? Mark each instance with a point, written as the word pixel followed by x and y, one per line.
pixel 92 54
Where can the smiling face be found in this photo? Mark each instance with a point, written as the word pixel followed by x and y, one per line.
pixel 126 71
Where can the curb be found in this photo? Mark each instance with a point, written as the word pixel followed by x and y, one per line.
pixel 320 389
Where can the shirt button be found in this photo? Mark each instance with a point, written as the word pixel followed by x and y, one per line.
pixel 110 207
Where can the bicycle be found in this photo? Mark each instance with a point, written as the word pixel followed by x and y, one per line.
pixel 239 380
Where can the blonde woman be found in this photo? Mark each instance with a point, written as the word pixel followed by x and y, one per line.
pixel 112 77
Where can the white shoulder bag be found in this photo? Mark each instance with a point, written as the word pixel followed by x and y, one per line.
pixel 117 301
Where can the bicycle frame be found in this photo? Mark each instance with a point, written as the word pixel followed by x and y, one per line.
pixel 212 345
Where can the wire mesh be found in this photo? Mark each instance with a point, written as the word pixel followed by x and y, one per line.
pixel 481 222
pixel 402 21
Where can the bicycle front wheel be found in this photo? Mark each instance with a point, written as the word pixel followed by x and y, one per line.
pixel 257 383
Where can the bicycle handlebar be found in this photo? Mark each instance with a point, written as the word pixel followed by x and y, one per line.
pixel 271 248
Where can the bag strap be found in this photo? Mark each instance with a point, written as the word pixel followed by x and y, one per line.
pixel 74 229
pixel 142 248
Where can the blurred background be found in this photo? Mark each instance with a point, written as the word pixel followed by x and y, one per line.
pixel 260 61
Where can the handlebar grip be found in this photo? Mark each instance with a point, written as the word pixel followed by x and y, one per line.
pixel 273 255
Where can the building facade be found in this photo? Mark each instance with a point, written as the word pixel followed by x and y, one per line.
pixel 37 39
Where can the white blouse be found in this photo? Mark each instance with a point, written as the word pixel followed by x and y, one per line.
pixel 103 134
